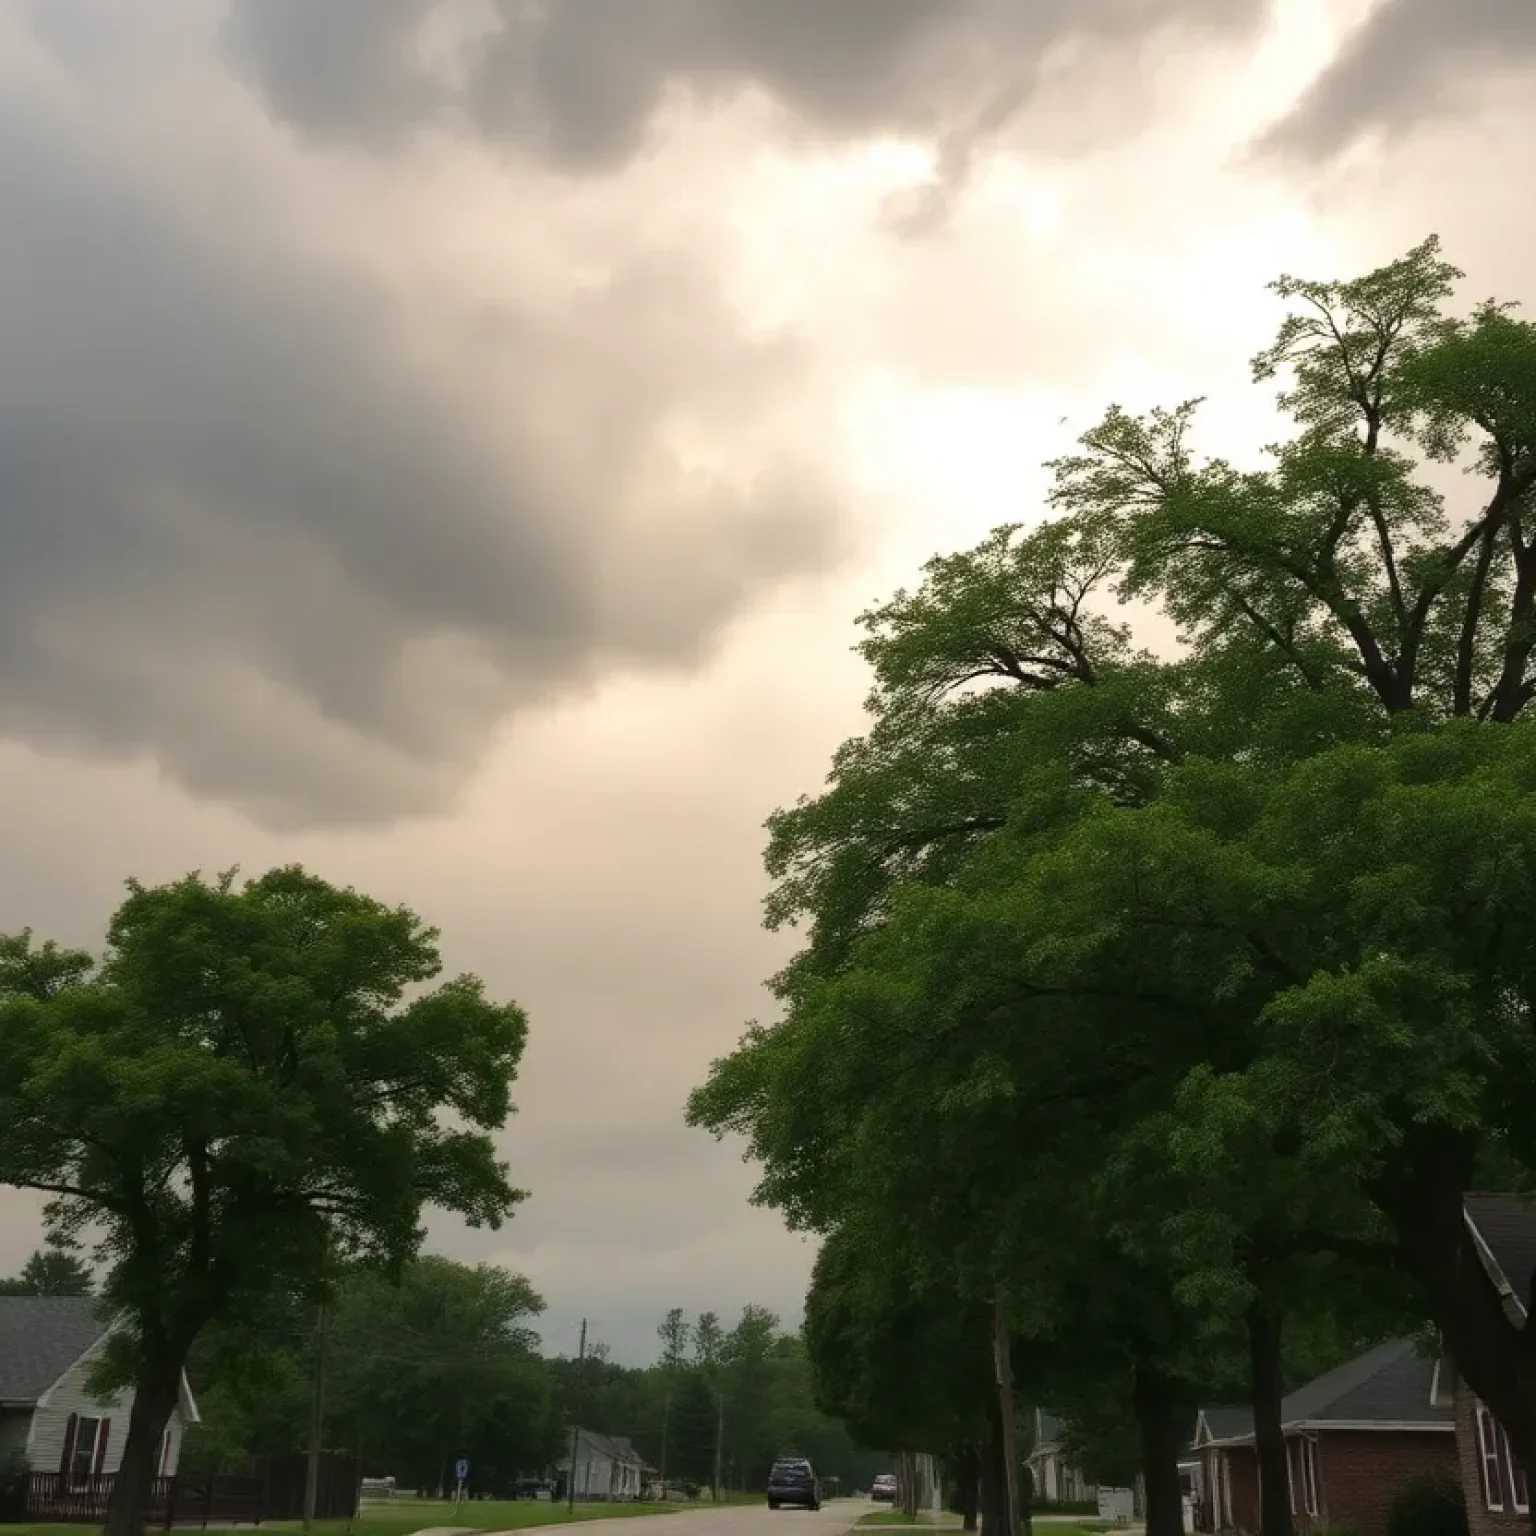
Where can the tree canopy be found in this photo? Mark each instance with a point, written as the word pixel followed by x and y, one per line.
pixel 1177 986
pixel 251 1088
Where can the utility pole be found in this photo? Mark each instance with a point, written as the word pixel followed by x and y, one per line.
pixel 316 1423
pixel 570 1481
pixel 1003 1356
pixel 666 1425
pixel 719 1441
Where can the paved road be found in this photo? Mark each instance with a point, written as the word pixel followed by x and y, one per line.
pixel 831 1519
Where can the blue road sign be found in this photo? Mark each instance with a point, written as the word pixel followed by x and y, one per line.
pixel 461 1468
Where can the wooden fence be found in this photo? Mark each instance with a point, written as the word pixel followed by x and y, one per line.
pixel 274 1490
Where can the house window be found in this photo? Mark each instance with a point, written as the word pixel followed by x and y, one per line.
pixel 1490 1442
pixel 85 1449
pixel 1501 1467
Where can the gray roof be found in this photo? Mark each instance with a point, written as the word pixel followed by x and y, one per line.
pixel 40 1338
pixel 615 1448
pixel 1387 1385
pixel 1228 1423
pixel 1507 1226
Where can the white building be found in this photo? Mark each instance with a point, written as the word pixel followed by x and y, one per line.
pixel 607 1467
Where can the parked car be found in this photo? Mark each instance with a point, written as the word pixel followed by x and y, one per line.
pixel 793 1481
pixel 884 1491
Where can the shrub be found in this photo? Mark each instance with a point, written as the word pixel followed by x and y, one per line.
pixel 1430 1504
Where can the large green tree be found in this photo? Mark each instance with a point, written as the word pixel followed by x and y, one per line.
pixel 248 1090
pixel 1331 605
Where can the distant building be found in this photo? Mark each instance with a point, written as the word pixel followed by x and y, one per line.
pixel 1054 1479
pixel 608 1468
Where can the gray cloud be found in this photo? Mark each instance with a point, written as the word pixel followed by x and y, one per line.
pixel 249 533
pixel 577 82
pixel 1409 61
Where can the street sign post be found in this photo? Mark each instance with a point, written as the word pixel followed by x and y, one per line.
pixel 461 1476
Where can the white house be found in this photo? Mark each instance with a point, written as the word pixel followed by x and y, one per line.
pixel 49 1420
pixel 607 1467
pixel 1055 1479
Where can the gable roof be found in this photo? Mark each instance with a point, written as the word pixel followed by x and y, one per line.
pixel 615 1448
pixel 40 1338
pixel 1222 1425
pixel 1388 1387
pixel 1505 1229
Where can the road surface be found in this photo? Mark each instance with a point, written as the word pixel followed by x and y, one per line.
pixel 832 1519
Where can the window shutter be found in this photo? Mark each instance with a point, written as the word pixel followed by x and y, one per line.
pixel 102 1430
pixel 70 1425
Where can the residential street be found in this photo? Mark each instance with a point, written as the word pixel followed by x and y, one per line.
pixel 742 1520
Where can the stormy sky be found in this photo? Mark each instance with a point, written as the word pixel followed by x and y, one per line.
pixel 445 442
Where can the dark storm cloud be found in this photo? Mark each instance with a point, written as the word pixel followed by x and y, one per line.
pixel 1410 61
pixel 244 535
pixel 577 81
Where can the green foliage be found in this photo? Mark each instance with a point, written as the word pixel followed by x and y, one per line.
pixel 1431 1504
pixel 250 1090
pixel 51 1271
pixel 1168 994
pixel 442 1364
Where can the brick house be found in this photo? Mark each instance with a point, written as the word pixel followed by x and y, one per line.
pixel 1503 1228
pixel 1353 1437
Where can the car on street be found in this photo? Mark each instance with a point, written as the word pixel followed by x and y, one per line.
pixel 884 1491
pixel 793 1482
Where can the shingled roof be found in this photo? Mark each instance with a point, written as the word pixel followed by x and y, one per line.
pixel 1387 1387
pixel 1505 1225
pixel 40 1338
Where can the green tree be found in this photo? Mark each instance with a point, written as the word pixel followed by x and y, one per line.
pixel 1098 807
pixel 51 1271
pixel 676 1336
pixel 442 1364
pixel 240 1096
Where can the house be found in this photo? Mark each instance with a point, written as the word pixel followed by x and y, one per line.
pixel 1053 1478
pixel 50 1422
pixel 608 1467
pixel 1353 1437
pixel 1503 1229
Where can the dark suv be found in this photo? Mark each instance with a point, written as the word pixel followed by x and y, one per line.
pixel 793 1481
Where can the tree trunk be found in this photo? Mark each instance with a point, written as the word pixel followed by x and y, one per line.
pixel 1163 1433
pixel 967 1473
pixel 909 1484
pixel 994 1478
pixel 157 1385
pixel 1264 1375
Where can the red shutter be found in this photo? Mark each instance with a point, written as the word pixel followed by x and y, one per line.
pixel 102 1430
pixel 70 1425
